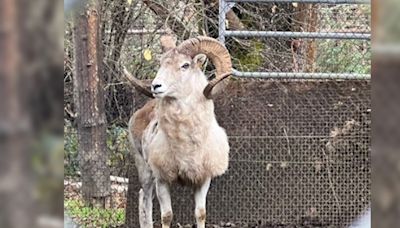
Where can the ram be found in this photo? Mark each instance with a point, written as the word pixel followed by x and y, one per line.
pixel 176 137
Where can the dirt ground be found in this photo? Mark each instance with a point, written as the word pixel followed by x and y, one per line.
pixel 255 225
pixel 72 192
pixel 304 224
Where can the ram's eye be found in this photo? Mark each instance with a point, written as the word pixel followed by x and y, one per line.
pixel 185 66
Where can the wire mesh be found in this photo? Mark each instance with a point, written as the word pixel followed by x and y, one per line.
pixel 300 154
pixel 299 137
pixel 301 39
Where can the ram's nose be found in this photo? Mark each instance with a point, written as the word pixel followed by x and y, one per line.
pixel 157 88
pixel 154 87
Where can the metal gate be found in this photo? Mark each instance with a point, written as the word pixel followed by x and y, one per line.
pixel 226 5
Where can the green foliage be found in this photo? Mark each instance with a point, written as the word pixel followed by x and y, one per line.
pixel 71 163
pixel 94 217
pixel 250 59
pixel 117 144
pixel 352 57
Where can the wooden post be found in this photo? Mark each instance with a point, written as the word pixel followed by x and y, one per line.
pixel 89 100
pixel 305 21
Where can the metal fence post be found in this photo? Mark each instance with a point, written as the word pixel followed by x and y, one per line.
pixel 221 21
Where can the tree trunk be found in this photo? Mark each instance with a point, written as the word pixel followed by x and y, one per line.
pixel 234 22
pixel 311 55
pixel 305 51
pixel 89 98
pixel 16 180
pixel 132 197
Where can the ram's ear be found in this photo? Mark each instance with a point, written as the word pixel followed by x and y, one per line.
pixel 168 42
pixel 200 59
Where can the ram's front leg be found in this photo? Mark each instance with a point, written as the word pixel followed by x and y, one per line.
pixel 164 198
pixel 146 192
pixel 200 196
pixel 146 206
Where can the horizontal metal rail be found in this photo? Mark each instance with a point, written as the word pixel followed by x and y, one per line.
pixel 319 137
pixel 298 75
pixel 141 31
pixel 306 1
pixel 223 4
pixel 308 35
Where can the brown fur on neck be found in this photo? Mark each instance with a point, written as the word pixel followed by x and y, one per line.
pixel 142 118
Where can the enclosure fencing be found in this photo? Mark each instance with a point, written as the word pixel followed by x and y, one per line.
pixel 300 156
pixel 226 5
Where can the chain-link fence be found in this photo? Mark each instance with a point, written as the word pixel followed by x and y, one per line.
pixel 299 39
pixel 299 133
pixel 299 155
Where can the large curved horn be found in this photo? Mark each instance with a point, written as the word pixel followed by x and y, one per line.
pixel 215 51
pixel 140 86
pixel 167 43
